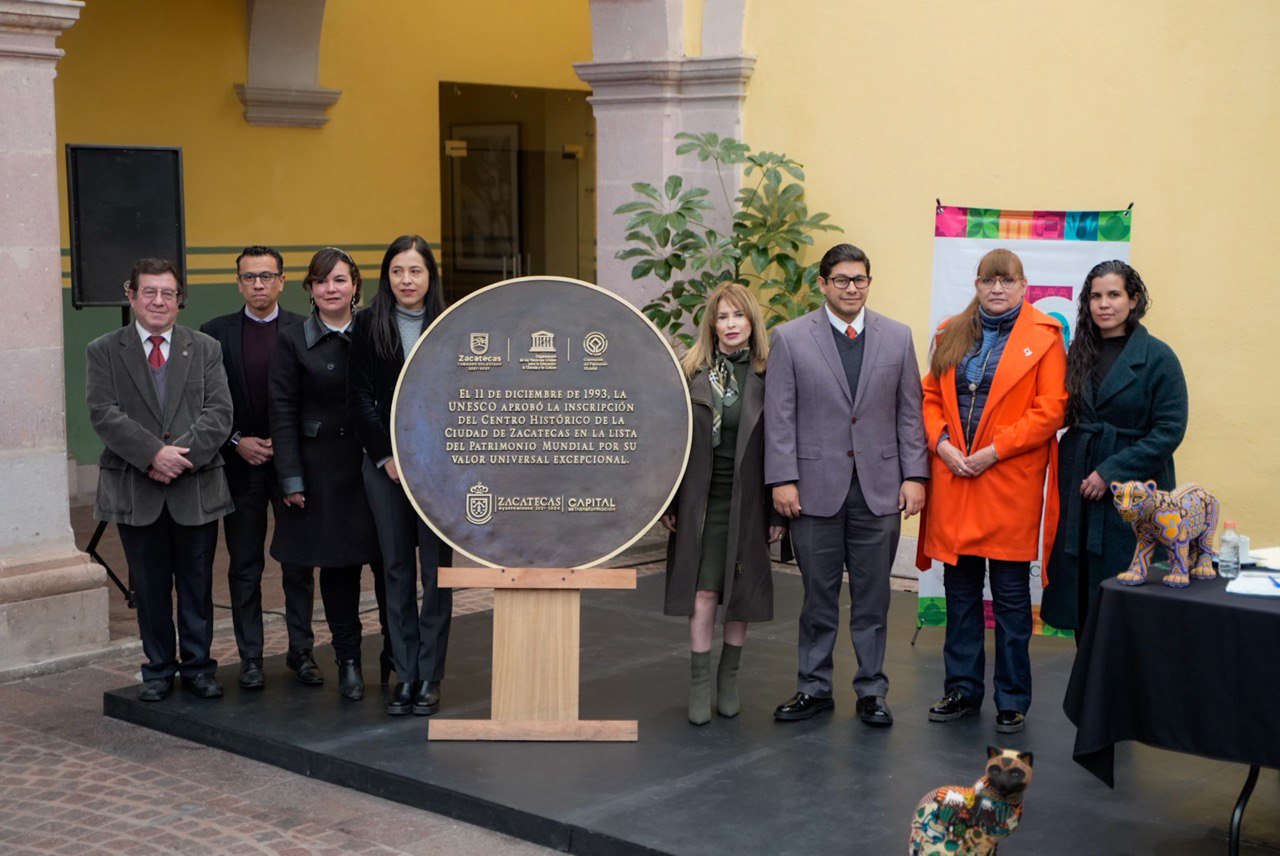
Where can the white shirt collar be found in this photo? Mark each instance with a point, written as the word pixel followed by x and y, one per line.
pixel 167 335
pixel 859 322
pixel 275 313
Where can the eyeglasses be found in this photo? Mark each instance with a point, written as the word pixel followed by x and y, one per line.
pixel 1004 281
pixel 168 295
pixel 268 277
pixel 859 282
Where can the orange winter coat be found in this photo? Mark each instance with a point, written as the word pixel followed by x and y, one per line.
pixel 997 514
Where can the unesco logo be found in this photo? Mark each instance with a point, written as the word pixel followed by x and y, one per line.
pixel 595 343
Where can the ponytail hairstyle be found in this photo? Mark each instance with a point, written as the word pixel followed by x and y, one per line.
pixel 965 328
pixel 703 353
pixel 1086 339
pixel 385 334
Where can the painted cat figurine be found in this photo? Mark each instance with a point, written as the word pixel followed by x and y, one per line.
pixel 1183 520
pixel 959 821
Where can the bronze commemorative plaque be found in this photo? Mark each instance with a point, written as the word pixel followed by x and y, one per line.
pixel 541 423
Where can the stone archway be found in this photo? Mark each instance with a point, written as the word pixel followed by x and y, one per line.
pixel 53 600
pixel 649 82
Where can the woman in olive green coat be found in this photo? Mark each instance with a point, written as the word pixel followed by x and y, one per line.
pixel 1126 416
pixel 720 520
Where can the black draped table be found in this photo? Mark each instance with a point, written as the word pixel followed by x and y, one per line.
pixel 1191 669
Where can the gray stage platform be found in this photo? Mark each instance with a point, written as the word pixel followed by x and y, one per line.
pixel 741 786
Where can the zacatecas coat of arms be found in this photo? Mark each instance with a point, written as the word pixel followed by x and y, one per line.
pixel 479 504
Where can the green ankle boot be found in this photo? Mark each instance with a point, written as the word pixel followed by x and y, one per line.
pixel 727 680
pixel 700 687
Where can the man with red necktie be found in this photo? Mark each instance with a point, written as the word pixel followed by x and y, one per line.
pixel 158 400
pixel 845 455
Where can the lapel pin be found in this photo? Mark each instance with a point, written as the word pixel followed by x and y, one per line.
pixel 1026 351
pixel 184 353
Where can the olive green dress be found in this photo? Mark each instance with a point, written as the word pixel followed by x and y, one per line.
pixel 715 528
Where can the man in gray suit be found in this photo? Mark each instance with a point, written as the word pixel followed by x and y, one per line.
pixel 158 399
pixel 845 454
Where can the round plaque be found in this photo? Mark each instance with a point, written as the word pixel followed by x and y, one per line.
pixel 541 423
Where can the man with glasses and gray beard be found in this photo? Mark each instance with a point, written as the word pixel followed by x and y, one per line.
pixel 248 336
pixel 845 456
pixel 158 400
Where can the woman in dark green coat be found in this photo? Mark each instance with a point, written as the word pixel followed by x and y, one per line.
pixel 720 520
pixel 1126 416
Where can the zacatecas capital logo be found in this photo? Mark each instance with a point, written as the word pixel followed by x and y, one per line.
pixel 479 504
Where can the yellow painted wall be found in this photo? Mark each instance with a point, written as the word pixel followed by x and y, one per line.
pixel 1170 104
pixel 159 72
pixel 156 72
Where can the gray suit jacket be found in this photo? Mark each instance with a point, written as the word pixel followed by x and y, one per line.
pixel 815 430
pixel 125 412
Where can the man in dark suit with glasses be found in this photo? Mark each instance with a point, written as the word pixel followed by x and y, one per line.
pixel 248 336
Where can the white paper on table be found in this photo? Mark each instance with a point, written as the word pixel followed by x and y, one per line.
pixel 1255 584
pixel 1266 557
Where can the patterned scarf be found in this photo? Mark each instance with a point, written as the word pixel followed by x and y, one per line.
pixel 724 388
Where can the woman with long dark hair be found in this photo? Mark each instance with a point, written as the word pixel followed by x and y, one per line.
pixel 722 520
pixel 409 298
pixel 326 520
pixel 1126 416
pixel 994 400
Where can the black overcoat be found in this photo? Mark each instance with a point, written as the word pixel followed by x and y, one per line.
pixel 748 579
pixel 1127 430
pixel 317 453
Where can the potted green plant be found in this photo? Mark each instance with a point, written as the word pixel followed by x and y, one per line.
pixel 669 238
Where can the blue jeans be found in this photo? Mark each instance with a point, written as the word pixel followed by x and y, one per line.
pixel 964 652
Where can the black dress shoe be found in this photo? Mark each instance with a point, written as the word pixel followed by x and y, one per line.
pixel 873 711
pixel 402 698
pixel 156 689
pixel 427 700
pixel 802 706
pixel 305 665
pixel 953 705
pixel 1009 721
pixel 350 680
pixel 251 675
pixel 202 686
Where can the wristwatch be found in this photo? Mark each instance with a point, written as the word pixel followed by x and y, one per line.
pixel 235 439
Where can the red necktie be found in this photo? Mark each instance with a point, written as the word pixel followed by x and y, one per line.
pixel 156 357
pixel 850 332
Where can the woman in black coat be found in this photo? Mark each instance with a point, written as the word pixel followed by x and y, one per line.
pixel 721 517
pixel 409 298
pixel 1126 416
pixel 326 520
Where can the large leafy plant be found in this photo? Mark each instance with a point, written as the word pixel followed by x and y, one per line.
pixel 771 225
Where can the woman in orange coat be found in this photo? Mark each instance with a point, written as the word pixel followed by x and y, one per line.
pixel 994 399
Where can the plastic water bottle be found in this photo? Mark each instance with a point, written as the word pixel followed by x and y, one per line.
pixel 1229 552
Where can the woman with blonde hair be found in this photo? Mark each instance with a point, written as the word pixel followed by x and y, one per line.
pixel 721 520
pixel 994 400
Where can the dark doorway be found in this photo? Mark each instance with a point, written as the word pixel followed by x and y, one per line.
pixel 518 174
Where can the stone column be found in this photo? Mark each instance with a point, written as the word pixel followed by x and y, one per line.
pixel 646 88
pixel 53 600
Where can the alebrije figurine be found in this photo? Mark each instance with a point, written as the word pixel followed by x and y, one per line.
pixel 959 821
pixel 1183 520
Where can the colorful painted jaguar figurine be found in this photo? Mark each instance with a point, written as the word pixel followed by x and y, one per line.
pixel 958 821
pixel 1183 520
